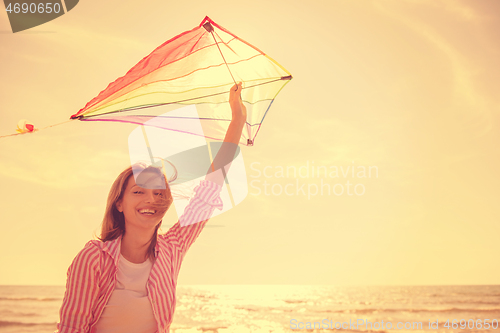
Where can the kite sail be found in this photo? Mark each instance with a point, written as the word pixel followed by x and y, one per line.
pixel 198 67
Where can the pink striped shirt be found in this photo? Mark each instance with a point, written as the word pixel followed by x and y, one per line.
pixel 92 275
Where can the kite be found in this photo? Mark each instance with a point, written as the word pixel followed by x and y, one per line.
pixel 198 67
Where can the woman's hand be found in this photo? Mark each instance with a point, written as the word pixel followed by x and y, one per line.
pixel 239 111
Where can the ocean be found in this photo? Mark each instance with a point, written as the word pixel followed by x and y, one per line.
pixel 287 308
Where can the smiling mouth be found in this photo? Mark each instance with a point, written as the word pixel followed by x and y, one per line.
pixel 147 212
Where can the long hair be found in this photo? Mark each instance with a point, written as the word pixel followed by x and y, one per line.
pixel 113 224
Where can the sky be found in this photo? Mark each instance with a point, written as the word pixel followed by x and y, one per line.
pixel 407 90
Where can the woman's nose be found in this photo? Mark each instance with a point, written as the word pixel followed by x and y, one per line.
pixel 150 196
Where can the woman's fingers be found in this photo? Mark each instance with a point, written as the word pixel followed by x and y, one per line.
pixel 237 86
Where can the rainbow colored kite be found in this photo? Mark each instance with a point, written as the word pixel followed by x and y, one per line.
pixel 199 67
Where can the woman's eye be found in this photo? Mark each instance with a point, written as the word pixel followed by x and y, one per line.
pixel 160 194
pixel 138 192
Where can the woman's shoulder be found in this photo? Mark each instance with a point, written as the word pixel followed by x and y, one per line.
pixel 91 249
pixel 162 239
pixel 93 256
pixel 165 241
pixel 96 248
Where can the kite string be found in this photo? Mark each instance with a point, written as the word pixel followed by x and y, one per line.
pixel 223 57
pixel 36 129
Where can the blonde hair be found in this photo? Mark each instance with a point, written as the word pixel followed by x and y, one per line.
pixel 113 224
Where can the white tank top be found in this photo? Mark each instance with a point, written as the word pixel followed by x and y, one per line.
pixel 128 309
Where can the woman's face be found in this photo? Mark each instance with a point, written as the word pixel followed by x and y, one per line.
pixel 139 203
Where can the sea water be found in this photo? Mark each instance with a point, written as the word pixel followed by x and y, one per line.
pixel 287 308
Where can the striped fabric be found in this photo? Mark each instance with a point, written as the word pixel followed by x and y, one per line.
pixel 92 275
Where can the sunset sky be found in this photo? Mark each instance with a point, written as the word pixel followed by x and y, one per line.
pixel 408 88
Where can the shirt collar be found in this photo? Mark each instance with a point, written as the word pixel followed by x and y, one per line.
pixel 112 247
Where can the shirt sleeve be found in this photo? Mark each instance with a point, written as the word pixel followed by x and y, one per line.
pixel 196 215
pixel 81 292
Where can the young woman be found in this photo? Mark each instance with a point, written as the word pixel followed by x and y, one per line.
pixel 125 282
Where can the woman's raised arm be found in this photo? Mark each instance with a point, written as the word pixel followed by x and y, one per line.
pixel 225 156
